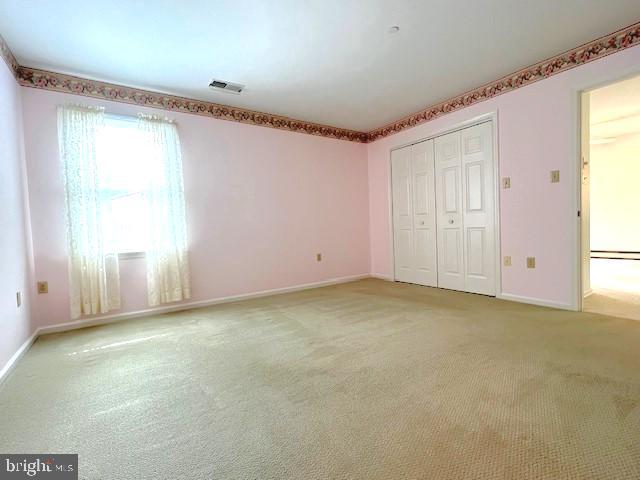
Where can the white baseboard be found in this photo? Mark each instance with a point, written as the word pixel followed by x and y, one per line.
pixel 382 276
pixel 535 301
pixel 11 364
pixel 90 322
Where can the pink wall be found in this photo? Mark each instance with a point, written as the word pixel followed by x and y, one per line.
pixel 260 204
pixel 538 127
pixel 15 244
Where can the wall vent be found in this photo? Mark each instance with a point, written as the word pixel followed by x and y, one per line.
pixel 226 86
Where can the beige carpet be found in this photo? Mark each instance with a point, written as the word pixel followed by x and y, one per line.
pixel 368 380
pixel 616 288
pixel 617 303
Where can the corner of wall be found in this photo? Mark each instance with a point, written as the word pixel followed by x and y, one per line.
pixel 20 326
pixel 26 208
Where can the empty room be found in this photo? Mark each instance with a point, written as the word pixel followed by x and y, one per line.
pixel 361 239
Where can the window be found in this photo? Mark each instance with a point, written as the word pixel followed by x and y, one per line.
pixel 124 193
pixel 122 154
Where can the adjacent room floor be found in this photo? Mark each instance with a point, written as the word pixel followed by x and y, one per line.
pixel 366 380
pixel 616 288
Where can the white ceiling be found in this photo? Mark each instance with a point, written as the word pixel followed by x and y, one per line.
pixel 326 61
pixel 615 109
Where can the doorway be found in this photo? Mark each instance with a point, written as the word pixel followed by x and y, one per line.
pixel 610 199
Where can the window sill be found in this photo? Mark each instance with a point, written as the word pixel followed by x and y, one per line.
pixel 130 255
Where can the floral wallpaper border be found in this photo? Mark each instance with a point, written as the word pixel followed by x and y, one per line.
pixel 8 57
pixel 615 42
pixel 31 77
pixel 601 47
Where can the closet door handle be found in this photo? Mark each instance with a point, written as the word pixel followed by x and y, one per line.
pixel 451 220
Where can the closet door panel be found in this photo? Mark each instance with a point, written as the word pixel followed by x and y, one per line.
pixel 479 208
pixel 451 247
pixel 402 208
pixel 449 211
pixel 424 220
pixel 404 255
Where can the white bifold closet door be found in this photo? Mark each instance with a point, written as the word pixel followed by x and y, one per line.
pixel 465 201
pixel 449 205
pixel 414 214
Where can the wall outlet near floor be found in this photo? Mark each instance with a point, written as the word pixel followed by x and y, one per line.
pixel 555 176
pixel 507 260
pixel 43 287
pixel 18 299
pixel 319 257
pixel 506 182
pixel 531 262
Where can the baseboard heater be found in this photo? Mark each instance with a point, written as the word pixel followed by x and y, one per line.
pixel 615 254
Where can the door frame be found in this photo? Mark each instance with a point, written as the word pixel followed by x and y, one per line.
pixel 492 117
pixel 605 80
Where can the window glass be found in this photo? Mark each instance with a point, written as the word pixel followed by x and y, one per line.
pixel 124 159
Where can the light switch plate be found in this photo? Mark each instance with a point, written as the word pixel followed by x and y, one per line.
pixel 507 260
pixel 506 182
pixel 43 287
pixel 531 262
pixel 555 176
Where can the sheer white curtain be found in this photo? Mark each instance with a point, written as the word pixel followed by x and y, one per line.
pixel 93 273
pixel 167 256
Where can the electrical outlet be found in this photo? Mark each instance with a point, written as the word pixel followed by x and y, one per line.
pixel 507 261
pixel 531 262
pixel 319 257
pixel 18 299
pixel 506 182
pixel 555 176
pixel 43 287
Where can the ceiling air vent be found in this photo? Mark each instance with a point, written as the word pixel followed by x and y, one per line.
pixel 226 86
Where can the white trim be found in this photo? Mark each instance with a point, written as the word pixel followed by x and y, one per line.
pixel 535 301
pixel 90 322
pixel 131 255
pixel 392 236
pixel 496 188
pixel 383 276
pixel 576 282
pixel 472 122
pixel 11 364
